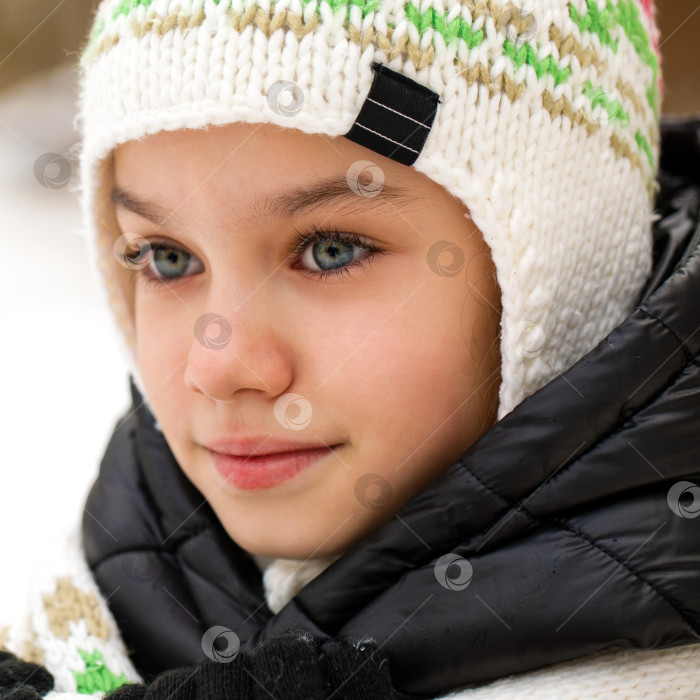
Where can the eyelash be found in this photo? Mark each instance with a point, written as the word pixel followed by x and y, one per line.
pixel 302 241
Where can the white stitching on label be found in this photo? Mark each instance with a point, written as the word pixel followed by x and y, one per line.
pixel 387 138
pixel 401 114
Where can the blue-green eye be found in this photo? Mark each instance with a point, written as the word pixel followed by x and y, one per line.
pixel 169 263
pixel 332 251
pixel 331 255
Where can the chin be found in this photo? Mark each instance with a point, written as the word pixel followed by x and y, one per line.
pixel 288 546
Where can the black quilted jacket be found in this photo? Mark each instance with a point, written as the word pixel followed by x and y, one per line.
pixel 577 515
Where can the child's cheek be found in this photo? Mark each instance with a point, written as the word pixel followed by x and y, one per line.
pixel 162 347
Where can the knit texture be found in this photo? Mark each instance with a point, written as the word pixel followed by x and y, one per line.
pixel 289 666
pixel 547 130
pixel 67 627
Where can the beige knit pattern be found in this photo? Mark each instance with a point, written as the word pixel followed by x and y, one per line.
pixel 68 603
pixel 64 617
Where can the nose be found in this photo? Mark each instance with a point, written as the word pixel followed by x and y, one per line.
pixel 238 345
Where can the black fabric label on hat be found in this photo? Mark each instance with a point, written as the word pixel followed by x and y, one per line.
pixel 396 116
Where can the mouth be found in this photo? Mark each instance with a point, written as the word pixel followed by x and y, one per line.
pixel 263 471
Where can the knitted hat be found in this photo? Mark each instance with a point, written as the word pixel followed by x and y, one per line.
pixel 541 118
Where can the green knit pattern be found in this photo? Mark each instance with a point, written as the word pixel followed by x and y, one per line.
pixel 96 677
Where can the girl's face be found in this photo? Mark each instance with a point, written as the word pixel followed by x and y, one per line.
pixel 389 361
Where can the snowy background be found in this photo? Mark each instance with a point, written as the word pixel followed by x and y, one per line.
pixel 64 381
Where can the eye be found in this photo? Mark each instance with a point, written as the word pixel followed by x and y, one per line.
pixel 331 251
pixel 168 263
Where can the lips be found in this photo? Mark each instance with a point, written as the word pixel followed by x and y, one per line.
pixel 266 470
pixel 254 446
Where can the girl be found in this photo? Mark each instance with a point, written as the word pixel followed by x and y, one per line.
pixel 413 390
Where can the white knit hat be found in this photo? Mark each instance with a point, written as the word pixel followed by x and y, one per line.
pixel 542 118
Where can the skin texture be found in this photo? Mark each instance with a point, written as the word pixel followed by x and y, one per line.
pixel 397 360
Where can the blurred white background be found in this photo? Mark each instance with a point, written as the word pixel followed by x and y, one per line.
pixel 64 381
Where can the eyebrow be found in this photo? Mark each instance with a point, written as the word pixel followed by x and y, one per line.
pixel 295 202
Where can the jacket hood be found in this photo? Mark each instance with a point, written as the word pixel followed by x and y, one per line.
pixel 568 528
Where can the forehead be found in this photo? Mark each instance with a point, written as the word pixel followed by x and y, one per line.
pixel 270 172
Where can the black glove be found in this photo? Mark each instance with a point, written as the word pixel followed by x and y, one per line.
pixel 290 666
pixel 22 680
